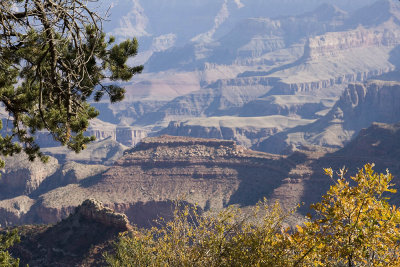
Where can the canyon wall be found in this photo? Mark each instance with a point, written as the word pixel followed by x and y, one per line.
pixel 125 135
pixel 144 183
pixel 360 105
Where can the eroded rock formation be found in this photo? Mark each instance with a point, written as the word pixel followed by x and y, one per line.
pixel 21 176
pixel 144 183
pixel 79 240
pixel 360 105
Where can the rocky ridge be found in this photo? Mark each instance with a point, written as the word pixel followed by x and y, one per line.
pixel 246 131
pixel 94 211
pixel 147 179
pixel 78 240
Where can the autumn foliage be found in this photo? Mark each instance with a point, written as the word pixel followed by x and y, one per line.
pixel 353 225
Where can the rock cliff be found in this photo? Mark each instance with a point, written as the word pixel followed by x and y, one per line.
pixel 94 211
pixel 125 135
pixel 360 105
pixel 21 176
pixel 21 187
pixel 144 183
pixel 336 42
pixel 13 211
pixel 103 152
pixel 378 143
pixel 246 131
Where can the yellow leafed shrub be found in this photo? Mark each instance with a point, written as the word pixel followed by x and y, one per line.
pixel 353 225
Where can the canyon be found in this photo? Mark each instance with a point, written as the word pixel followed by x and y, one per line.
pixel 239 101
pixel 296 66
pixel 209 173
pixel 266 74
pixel 243 107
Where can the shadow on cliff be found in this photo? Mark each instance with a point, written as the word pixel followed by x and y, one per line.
pixel 394 58
pixel 258 178
pixel 149 214
pixel 258 182
pixel 319 183
pixel 59 179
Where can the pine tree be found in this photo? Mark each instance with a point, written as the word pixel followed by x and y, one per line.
pixel 54 57
pixel 6 241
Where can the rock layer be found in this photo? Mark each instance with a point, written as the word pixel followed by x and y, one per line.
pixel 125 135
pixel 21 176
pixel 360 105
pixel 144 183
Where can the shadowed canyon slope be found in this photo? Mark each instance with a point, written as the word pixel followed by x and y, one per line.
pixel 75 241
pixel 377 144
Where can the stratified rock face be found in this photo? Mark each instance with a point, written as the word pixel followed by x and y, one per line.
pixel 360 105
pixel 246 131
pixel 21 176
pixel 144 183
pixel 335 42
pixel 306 106
pixel 125 135
pixel 69 173
pixel 374 101
pixel 104 151
pixel 129 136
pixel 212 173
